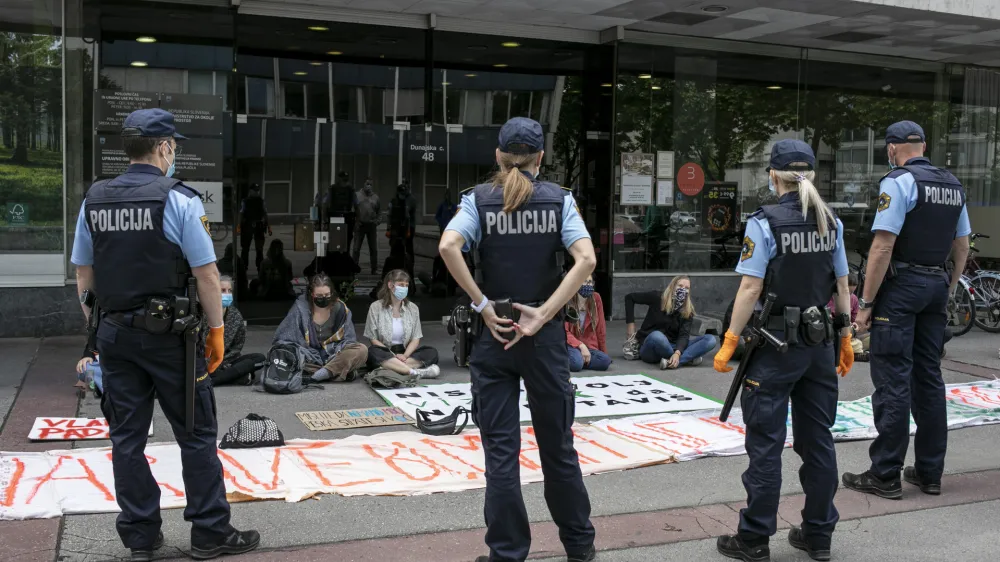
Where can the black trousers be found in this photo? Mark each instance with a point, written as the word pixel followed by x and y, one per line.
pixel 366 230
pixel 256 234
pixel 239 370
pixel 136 366
pixel 378 354
pixel 543 363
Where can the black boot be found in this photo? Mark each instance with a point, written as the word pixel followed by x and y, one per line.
pixel 237 542
pixel 588 556
pixel 734 547
pixel 927 487
pixel 816 551
pixel 868 483
pixel 146 554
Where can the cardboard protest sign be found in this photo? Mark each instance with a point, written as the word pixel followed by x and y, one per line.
pixel 71 429
pixel 596 397
pixel 349 419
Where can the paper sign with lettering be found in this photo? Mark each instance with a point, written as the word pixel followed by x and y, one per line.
pixel 348 419
pixel 53 483
pixel 71 429
pixel 596 397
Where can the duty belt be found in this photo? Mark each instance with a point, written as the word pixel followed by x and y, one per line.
pixel 812 326
pixel 904 265
pixel 135 319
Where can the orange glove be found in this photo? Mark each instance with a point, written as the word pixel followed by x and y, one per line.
pixel 846 360
pixel 215 347
pixel 729 343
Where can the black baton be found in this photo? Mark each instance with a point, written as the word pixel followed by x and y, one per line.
pixel 190 356
pixel 758 336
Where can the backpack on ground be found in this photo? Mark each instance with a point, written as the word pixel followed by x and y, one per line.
pixel 283 372
pixel 384 378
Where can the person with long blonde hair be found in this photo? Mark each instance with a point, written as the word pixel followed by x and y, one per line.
pixel 665 336
pixel 520 225
pixel 793 258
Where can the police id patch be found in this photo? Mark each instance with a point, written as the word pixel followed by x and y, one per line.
pixel 883 201
pixel 204 222
pixel 748 247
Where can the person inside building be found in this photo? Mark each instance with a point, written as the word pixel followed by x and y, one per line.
pixel 445 211
pixel 275 279
pixel 369 210
pixel 586 338
pixel 235 368
pixel 340 202
pixel 520 269
pixel 321 326
pixel 403 221
pixel 230 264
pixel 665 336
pixel 252 226
pixel 393 326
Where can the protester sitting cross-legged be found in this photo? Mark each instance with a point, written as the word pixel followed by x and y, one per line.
pixel 321 326
pixel 665 335
pixel 235 368
pixel 587 337
pixel 393 326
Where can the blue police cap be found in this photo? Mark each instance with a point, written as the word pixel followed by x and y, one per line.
pixel 788 151
pixel 521 135
pixel 904 131
pixel 155 122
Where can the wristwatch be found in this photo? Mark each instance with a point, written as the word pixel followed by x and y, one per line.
pixel 864 305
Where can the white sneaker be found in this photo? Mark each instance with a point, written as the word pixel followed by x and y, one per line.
pixel 431 372
pixel 696 361
pixel 663 364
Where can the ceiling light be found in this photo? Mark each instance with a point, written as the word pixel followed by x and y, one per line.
pixel 386 41
pixel 715 9
pixel 139 63
pixel 315 63
pixel 318 28
pixel 334 53
pixel 775 87
pixel 510 44
pixel 606 85
pixel 470 75
pixel 477 47
pixel 146 39
pixel 446 83
pixel 500 65
pixel 301 73
pixel 645 76
pixel 381 56
pixel 657 88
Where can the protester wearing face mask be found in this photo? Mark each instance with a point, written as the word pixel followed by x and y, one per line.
pixel 586 339
pixel 368 209
pixel 320 324
pixel 235 368
pixel 393 326
pixel 665 335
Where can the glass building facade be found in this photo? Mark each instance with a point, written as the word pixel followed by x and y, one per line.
pixel 664 139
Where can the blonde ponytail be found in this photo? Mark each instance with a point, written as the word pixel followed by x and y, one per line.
pixel 808 196
pixel 517 188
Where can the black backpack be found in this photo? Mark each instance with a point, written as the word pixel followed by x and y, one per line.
pixel 283 373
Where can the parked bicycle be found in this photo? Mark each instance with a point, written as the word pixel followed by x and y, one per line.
pixel 985 285
pixel 219 231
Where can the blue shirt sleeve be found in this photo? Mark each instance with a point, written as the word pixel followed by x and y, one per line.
pixel 83 244
pixel 185 224
pixel 758 248
pixel 466 221
pixel 840 254
pixel 573 227
pixel 897 197
pixel 964 226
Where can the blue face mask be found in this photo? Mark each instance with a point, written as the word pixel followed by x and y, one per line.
pixel 892 165
pixel 227 300
pixel 586 291
pixel 770 185
pixel 400 292
pixel 173 166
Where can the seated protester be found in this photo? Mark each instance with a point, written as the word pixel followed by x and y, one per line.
pixel 859 345
pixel 235 368
pixel 321 326
pixel 393 326
pixel 275 279
pixel 397 260
pixel 665 334
pixel 587 338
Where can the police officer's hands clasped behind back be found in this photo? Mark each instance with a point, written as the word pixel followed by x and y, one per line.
pixel 920 219
pixel 793 260
pixel 140 238
pixel 519 225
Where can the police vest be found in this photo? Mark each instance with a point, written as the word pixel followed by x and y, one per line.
pixel 930 228
pixel 341 198
pixel 801 273
pixel 518 250
pixel 253 210
pixel 133 259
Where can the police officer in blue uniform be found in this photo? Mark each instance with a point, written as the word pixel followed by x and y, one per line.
pixel 139 239
pixel 520 225
pixel 921 218
pixel 795 250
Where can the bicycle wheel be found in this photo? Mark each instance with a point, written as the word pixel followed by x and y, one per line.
pixel 219 231
pixel 961 312
pixel 987 286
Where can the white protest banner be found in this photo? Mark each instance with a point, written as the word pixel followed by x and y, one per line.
pixel 596 397
pixel 71 429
